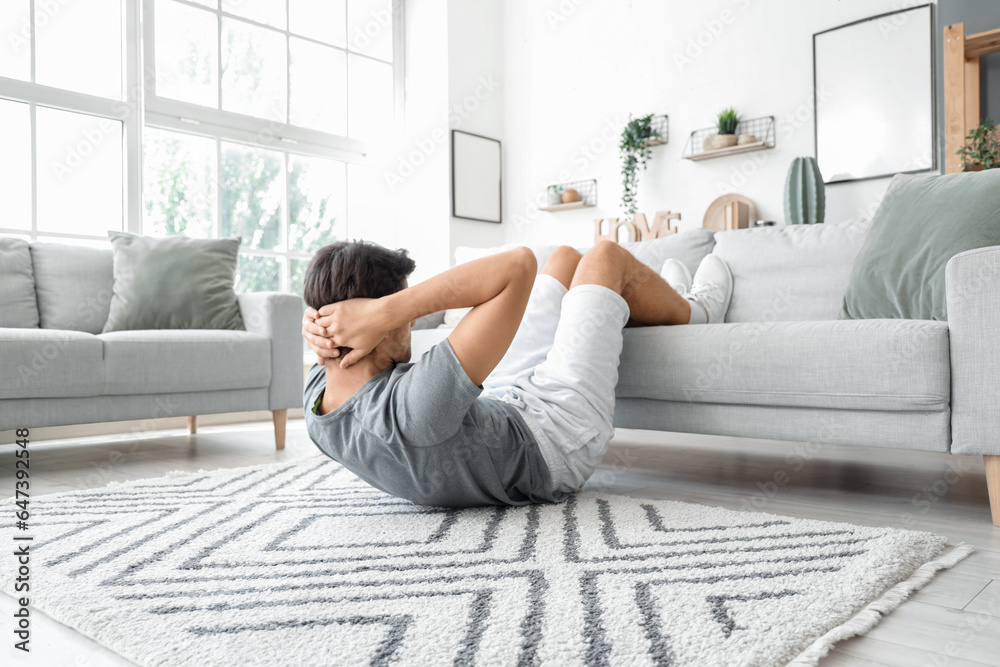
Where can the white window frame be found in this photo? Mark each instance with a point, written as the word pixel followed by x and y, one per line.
pixel 141 106
pixel 128 110
pixel 232 127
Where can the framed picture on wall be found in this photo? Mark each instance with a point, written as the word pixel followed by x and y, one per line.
pixel 475 177
pixel 874 96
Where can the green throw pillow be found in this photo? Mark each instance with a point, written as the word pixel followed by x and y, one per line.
pixel 173 283
pixel 922 222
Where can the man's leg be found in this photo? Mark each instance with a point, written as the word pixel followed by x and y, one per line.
pixel 534 335
pixel 651 300
pixel 568 400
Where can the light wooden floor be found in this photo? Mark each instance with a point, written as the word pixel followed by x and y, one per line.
pixel 954 621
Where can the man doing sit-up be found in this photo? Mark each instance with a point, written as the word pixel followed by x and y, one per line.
pixel 516 405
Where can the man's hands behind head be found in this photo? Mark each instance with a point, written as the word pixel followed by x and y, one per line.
pixel 356 323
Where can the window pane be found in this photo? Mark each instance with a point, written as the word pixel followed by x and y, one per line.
pixel 253 187
pixel 80 176
pixel 271 12
pixel 258 274
pixel 179 184
pixel 317 191
pixel 319 87
pixel 187 65
pixel 78 46
pixel 298 267
pixel 369 27
pixel 15 44
pixel 325 20
pixel 15 165
pixel 253 70
pixel 369 99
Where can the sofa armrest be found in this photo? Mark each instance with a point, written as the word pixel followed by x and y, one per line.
pixel 973 296
pixel 279 317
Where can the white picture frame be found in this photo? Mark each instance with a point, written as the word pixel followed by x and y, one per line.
pixel 874 96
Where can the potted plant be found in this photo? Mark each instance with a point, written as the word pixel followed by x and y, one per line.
pixel 635 152
pixel 982 148
pixel 727 123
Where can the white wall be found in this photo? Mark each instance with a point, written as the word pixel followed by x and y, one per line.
pixel 476 94
pixel 575 69
pixel 454 80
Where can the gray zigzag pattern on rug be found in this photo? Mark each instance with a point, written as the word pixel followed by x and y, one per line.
pixel 244 553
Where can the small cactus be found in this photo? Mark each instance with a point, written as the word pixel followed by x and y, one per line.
pixel 805 195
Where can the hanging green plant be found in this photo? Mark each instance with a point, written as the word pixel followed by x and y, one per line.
pixel 635 152
pixel 982 148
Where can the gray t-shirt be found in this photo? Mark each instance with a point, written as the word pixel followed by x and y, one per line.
pixel 422 432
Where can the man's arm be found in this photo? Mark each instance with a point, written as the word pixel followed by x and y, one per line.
pixel 496 287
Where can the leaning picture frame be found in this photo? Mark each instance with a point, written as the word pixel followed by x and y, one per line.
pixel 874 96
pixel 476 177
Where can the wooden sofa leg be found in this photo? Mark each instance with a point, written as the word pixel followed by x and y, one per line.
pixel 193 424
pixel 993 485
pixel 280 417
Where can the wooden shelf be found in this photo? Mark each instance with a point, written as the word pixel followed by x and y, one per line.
pixel 761 129
pixel 566 207
pixel 732 150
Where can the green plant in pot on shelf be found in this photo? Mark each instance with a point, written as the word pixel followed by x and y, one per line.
pixel 635 152
pixel 982 148
pixel 726 124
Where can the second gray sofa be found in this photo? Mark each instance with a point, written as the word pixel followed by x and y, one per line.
pixel 57 368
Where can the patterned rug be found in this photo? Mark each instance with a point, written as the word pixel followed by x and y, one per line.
pixel 302 563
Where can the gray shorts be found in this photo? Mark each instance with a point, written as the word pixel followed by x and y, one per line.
pixel 560 374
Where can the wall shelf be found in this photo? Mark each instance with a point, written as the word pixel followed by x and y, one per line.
pixel 553 194
pixel 762 130
pixel 566 207
pixel 660 125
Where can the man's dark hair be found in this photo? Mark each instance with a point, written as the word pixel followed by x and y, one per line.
pixel 355 269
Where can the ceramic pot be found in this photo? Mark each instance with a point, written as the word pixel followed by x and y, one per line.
pixel 569 195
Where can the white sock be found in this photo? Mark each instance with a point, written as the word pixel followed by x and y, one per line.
pixel 698 313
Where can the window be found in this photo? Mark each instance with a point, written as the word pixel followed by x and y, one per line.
pixel 252 118
pixel 258 112
pixel 65 122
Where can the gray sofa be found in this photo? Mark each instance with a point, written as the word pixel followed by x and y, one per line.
pixel 784 367
pixel 57 368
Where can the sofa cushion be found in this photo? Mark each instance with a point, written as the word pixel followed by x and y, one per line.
pixel 689 246
pixel 173 283
pixel 171 360
pixel 44 363
pixel 846 364
pixel 73 285
pixel 18 307
pixel 798 272
pixel 923 221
